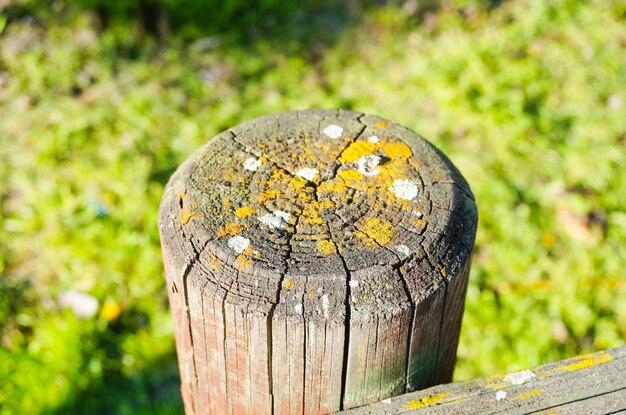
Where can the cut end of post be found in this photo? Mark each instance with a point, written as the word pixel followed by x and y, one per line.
pixel 324 256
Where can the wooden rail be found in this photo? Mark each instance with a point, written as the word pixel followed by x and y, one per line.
pixel 315 261
pixel 587 384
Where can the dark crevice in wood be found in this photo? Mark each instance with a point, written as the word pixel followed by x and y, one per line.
pixel 224 325
pixel 185 277
pixel 346 341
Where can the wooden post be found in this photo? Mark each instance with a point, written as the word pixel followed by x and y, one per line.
pixel 316 261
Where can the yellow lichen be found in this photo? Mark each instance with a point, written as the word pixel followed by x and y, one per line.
pixel 311 215
pixel 587 360
pixel 288 283
pixel 335 186
pixel 268 195
pixel 226 203
pixel 381 124
pixel 365 240
pixel 397 150
pixel 353 179
pixel 326 247
pixel 186 215
pixel 214 261
pixel 442 270
pixel 231 228
pixel 243 263
pixel 530 394
pixel 357 150
pixel 244 211
pixel 379 230
pixel 425 401
pixel 298 183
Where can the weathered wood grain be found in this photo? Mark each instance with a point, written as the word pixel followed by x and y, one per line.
pixel 587 384
pixel 316 260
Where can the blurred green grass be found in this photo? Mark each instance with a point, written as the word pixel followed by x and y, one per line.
pixel 528 98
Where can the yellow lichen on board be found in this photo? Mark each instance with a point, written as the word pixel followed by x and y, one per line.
pixel 288 283
pixel 381 124
pixel 379 230
pixel 326 247
pixel 231 228
pixel 587 360
pixel 530 394
pixel 425 401
pixel 244 212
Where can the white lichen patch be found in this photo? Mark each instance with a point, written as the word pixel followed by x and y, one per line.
pixel 404 189
pixel 277 219
pixel 368 165
pixel 333 131
pixel 307 173
pixel 388 400
pixel 500 395
pixel 298 308
pixel 325 305
pixel 419 214
pixel 353 283
pixel 238 243
pixel 403 249
pixel 372 139
pixel 518 378
pixel 252 164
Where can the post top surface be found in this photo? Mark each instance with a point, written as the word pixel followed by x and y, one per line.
pixel 309 192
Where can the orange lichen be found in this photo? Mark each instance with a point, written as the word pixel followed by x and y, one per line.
pixel 326 247
pixel 288 283
pixel 244 211
pixel 381 124
pixel 586 360
pixel 425 401
pixel 231 228
pixel 379 230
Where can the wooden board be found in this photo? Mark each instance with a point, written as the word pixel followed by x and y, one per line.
pixel 587 384
pixel 317 260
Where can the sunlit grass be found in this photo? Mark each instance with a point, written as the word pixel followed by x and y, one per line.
pixel 528 100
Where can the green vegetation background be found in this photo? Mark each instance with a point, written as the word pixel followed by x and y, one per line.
pixel 100 101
